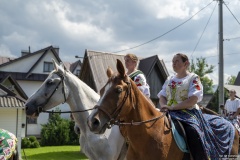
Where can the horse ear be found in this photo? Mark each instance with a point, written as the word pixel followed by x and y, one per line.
pixel 58 68
pixel 120 68
pixel 109 72
pixel 55 65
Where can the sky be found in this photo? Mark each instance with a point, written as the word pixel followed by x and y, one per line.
pixel 145 28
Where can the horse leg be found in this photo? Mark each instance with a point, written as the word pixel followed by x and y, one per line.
pixel 235 146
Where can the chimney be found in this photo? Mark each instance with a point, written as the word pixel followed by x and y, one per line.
pixel 26 52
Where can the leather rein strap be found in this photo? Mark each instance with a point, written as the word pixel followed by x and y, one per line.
pixel 113 121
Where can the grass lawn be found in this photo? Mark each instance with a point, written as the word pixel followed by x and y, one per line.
pixel 53 153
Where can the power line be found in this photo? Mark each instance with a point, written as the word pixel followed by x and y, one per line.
pixel 228 39
pixel 231 13
pixel 165 32
pixel 203 30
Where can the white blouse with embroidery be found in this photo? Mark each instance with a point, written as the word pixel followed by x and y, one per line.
pixel 176 90
pixel 141 83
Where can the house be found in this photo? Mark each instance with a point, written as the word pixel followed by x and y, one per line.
pixel 28 72
pixel 95 65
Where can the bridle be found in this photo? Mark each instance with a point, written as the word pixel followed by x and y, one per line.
pixel 40 109
pixel 117 111
pixel 119 107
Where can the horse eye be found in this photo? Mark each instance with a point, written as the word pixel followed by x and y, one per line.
pixel 119 90
pixel 49 82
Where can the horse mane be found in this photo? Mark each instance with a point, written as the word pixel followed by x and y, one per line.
pixel 137 92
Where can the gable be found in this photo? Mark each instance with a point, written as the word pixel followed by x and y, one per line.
pixel 12 85
pixel 32 62
pixel 10 99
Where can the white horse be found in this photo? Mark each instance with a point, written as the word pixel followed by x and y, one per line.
pixel 62 86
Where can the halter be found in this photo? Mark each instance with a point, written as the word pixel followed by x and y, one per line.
pixel 114 121
pixel 40 109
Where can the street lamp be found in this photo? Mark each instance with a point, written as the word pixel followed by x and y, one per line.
pixel 78 56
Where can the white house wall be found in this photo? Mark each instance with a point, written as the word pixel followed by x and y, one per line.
pixel 22 65
pixel 6 122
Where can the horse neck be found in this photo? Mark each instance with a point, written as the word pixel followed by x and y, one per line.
pixel 143 108
pixel 81 97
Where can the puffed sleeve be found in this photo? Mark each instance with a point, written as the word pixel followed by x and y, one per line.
pixel 163 91
pixel 141 83
pixel 196 88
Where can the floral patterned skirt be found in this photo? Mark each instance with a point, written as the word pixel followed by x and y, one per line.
pixel 216 133
pixel 8 142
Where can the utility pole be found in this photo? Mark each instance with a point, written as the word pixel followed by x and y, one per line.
pixel 220 63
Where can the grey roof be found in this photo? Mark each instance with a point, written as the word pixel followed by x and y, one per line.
pixel 10 99
pixel 146 65
pixel 237 81
pixel 97 63
pixel 236 88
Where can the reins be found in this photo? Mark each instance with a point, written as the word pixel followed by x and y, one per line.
pixel 139 122
pixel 66 111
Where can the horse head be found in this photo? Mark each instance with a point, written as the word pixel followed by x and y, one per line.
pixel 115 95
pixel 52 92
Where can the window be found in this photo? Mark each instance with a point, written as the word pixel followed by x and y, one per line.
pixel 48 67
pixel 31 120
pixel 77 72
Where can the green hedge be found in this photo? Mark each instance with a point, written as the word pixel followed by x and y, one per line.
pixel 30 142
pixel 58 131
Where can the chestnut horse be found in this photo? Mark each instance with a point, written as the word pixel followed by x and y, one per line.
pixel 146 129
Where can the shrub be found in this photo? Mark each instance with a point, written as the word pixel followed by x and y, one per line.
pixel 73 137
pixel 55 132
pixel 35 144
pixel 30 142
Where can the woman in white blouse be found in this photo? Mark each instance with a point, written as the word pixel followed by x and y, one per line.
pixel 131 63
pixel 207 135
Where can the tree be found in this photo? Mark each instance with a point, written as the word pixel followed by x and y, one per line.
pixel 201 68
pixel 231 80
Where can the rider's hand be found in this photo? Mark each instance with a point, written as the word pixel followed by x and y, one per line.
pixel 166 108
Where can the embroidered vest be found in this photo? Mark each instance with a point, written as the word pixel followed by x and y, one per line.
pixel 177 92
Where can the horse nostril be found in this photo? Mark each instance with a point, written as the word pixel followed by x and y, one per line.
pixel 95 122
pixel 26 108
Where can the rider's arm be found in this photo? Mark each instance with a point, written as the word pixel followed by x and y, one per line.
pixel 237 113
